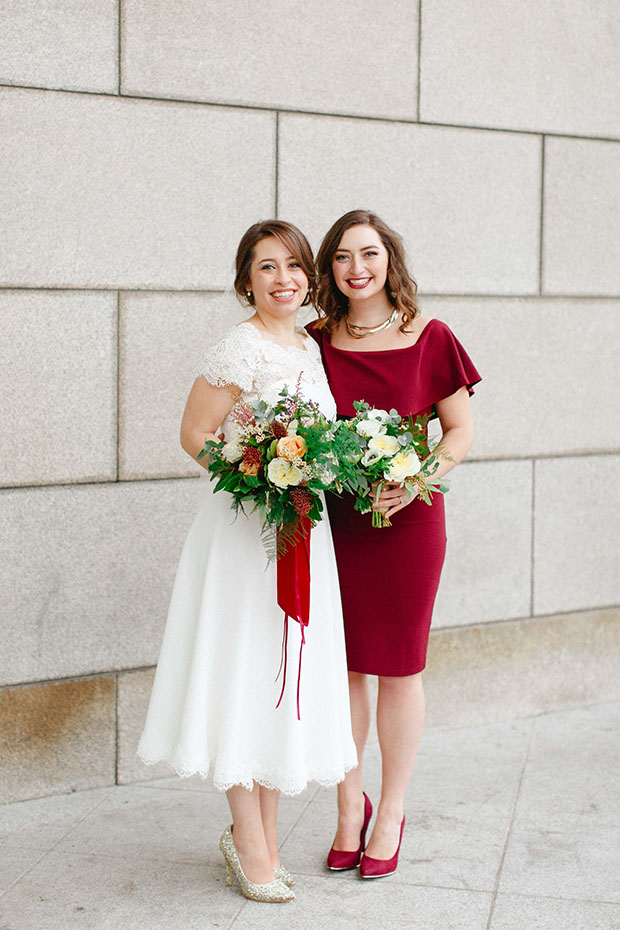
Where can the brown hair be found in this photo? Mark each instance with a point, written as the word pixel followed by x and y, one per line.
pixel 289 236
pixel 400 286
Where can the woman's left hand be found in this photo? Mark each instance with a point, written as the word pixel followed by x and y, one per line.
pixel 392 499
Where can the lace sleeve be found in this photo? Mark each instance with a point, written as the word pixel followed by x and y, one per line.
pixel 232 360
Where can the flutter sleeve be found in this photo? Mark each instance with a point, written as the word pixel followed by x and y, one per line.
pixel 447 365
pixel 232 360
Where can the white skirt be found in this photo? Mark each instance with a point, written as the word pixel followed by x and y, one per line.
pixel 213 704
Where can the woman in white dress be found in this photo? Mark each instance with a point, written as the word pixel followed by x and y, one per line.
pixel 213 704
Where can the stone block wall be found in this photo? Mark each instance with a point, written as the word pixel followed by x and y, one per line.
pixel 139 141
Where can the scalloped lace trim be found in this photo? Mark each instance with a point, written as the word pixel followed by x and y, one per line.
pixel 249 773
pixel 305 349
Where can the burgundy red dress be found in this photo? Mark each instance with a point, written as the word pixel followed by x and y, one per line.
pixel 389 577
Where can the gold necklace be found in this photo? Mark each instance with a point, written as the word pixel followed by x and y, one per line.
pixel 369 330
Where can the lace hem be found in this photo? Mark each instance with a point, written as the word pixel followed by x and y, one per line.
pixel 251 772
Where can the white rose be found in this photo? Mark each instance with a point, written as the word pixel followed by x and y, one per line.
pixel 386 445
pixel 282 473
pixel 404 465
pixel 277 471
pixel 295 475
pixel 381 415
pixel 232 451
pixel 370 428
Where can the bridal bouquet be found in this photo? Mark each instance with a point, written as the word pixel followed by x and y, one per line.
pixel 279 461
pixel 377 447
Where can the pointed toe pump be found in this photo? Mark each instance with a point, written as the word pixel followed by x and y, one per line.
pixel 379 868
pixel 341 860
pixel 275 892
pixel 284 875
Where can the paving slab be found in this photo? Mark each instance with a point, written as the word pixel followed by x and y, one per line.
pixel 29 830
pixel 583 864
pixel 354 904
pixel 99 893
pixel 564 839
pixel 458 809
pixel 530 802
pixel 517 912
pixel 579 788
pixel 159 824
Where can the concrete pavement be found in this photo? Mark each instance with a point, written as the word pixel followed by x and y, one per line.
pixel 509 825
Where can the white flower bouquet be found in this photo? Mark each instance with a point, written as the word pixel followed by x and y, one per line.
pixel 378 447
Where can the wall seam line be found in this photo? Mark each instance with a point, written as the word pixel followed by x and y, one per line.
pixel 120 45
pixel 109 482
pixel 116 729
pixel 532 536
pixel 118 385
pixel 277 166
pixel 485 624
pixel 472 460
pixel 321 113
pixel 419 87
pixel 222 289
pixel 542 216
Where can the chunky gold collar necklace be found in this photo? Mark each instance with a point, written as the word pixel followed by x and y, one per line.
pixel 368 330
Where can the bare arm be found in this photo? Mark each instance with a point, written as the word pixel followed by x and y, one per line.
pixel 457 427
pixel 206 408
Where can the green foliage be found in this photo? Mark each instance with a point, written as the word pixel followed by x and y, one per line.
pixel 363 467
pixel 338 457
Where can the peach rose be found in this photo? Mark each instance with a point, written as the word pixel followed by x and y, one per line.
pixel 291 447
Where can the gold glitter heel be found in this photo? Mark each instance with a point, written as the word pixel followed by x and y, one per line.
pixel 272 892
pixel 284 875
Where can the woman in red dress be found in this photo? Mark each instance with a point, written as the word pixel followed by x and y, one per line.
pixel 378 347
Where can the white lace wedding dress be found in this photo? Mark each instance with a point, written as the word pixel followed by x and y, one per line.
pixel 213 704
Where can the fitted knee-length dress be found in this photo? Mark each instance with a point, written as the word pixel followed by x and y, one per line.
pixel 389 577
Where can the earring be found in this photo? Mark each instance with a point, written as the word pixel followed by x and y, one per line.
pixel 249 295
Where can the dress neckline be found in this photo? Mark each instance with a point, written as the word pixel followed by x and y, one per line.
pixel 272 342
pixel 383 351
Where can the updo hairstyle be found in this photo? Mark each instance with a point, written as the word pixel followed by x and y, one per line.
pixel 292 238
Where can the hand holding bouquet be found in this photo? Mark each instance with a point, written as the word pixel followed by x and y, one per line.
pixel 378 447
pixel 278 462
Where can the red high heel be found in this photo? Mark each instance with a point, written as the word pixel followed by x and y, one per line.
pixel 378 868
pixel 340 860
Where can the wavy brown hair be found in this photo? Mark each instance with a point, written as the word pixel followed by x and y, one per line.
pixel 289 236
pixel 400 286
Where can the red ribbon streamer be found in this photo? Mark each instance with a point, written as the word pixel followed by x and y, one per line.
pixel 293 595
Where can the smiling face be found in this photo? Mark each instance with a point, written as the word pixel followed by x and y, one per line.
pixel 360 263
pixel 277 280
